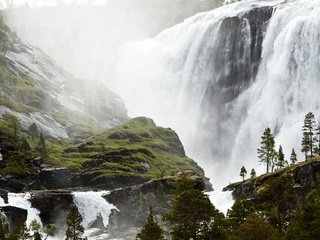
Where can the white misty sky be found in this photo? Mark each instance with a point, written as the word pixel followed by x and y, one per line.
pixel 4 4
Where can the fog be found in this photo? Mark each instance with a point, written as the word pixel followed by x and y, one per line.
pixel 85 36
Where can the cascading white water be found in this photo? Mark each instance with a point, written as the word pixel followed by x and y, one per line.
pixel 21 200
pixel 219 82
pixel 90 204
pixel 221 200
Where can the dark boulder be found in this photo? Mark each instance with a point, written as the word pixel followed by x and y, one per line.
pixel 14 215
pixel 53 205
pixel 55 178
pixel 15 183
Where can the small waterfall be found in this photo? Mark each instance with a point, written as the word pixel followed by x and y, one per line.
pixel 90 204
pixel 221 200
pixel 21 200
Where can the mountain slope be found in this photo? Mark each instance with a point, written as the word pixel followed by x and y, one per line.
pixel 36 90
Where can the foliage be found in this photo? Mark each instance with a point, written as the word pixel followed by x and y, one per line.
pixel 267 152
pixel 151 230
pixel 4 229
pixel 281 160
pixel 243 172
pixel 191 212
pixel 253 173
pixel 308 129
pixel 255 227
pixel 74 228
pixel 306 222
pixel 238 213
pixel 293 157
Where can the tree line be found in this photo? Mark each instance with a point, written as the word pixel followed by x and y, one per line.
pixel 275 159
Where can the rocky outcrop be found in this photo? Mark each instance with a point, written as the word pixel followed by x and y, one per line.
pixel 97 223
pixel 16 183
pixel 14 215
pixel 133 203
pixel 56 178
pixel 302 177
pixel 53 205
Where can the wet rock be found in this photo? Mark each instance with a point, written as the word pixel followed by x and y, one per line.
pixel 97 223
pixel 303 178
pixel 133 203
pixel 14 215
pixel 53 205
pixel 55 178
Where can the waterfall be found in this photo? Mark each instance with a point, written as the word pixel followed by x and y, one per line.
pixel 90 204
pixel 221 200
pixel 21 200
pixel 221 77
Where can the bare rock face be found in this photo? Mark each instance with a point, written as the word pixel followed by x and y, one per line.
pixel 53 205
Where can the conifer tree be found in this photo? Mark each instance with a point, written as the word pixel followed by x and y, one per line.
pixel 191 212
pixel 293 157
pixel 253 173
pixel 266 153
pixel 151 230
pixel 308 134
pixel 74 228
pixel 243 172
pixel 305 145
pixel 317 138
pixel 34 132
pixel 42 148
pixel 281 160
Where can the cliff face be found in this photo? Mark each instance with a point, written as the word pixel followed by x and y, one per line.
pixel 301 178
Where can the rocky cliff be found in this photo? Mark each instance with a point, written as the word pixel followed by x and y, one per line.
pixel 301 178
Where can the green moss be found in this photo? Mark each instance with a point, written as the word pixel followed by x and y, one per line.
pixel 136 148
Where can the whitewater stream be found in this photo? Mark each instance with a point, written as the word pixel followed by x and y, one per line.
pixel 91 204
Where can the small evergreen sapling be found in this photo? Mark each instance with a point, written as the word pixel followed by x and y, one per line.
pixel 75 229
pixel 293 157
pixel 243 172
pixel 253 173
pixel 151 230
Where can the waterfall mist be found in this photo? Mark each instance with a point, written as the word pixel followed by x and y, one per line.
pixel 219 78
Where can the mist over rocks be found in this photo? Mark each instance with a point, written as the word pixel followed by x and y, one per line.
pixel 44 93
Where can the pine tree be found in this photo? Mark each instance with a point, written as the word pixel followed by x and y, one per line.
pixel 293 157
pixel 191 212
pixel 253 173
pixel 42 147
pixel 151 230
pixel 266 153
pixel 243 172
pixel 33 130
pixel 305 145
pixel 308 134
pixel 281 160
pixel 317 138
pixel 74 228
